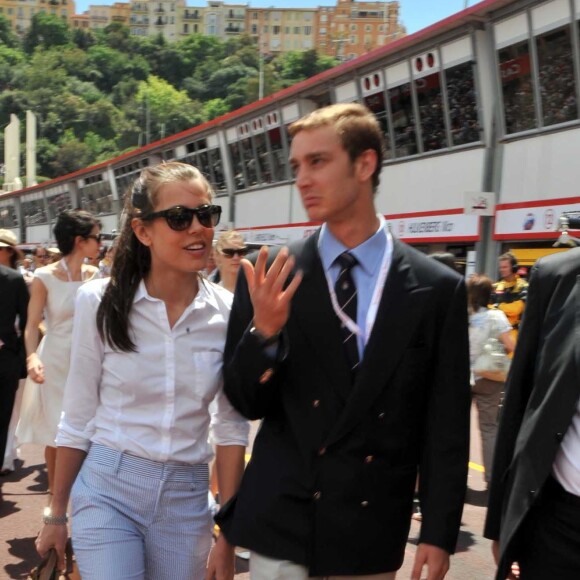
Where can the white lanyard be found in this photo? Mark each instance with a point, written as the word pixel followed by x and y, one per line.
pixel 375 300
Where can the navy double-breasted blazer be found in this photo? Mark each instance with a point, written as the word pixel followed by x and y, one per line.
pixel 331 479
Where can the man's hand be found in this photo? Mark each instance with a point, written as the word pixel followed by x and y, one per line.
pixel 270 301
pixel 221 561
pixel 436 559
pixel 515 571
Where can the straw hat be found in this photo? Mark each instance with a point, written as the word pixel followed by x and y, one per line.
pixel 8 240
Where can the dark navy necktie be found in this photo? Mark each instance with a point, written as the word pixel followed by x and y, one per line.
pixel 346 296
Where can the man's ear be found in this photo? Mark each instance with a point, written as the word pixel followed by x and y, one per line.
pixel 141 231
pixel 366 164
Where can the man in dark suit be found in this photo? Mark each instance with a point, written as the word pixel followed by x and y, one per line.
pixel 13 306
pixel 353 401
pixel 534 502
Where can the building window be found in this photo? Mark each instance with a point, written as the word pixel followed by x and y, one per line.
pixel 462 104
pixel 430 101
pixel 516 82
pixel 403 120
pixel 275 29
pixel 556 80
pixel 308 30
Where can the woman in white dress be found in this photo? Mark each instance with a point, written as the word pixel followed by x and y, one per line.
pixel 52 293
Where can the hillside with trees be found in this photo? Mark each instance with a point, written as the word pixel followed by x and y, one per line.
pixel 99 93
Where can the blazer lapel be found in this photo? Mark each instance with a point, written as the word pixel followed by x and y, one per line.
pixel 316 320
pixel 577 327
pixel 400 309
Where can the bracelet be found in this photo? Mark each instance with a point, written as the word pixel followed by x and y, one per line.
pixel 51 520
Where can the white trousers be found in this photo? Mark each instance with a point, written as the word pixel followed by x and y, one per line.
pixel 137 519
pixel 264 568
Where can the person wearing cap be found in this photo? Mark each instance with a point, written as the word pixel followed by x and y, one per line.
pixel 12 317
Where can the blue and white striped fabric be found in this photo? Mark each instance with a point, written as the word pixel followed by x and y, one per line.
pixel 138 519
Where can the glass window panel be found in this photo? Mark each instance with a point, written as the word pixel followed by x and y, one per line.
pixel 238 170
pixel 215 159
pixel 97 198
pixel 249 161
pixel 516 81
pixel 33 212
pixel 431 116
pixel 263 158
pixel 376 103
pixel 8 217
pixel 403 120
pixel 462 98
pixel 203 165
pixel 556 67
pixel 57 204
pixel 278 156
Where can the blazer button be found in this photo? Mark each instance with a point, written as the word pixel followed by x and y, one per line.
pixel 381 416
pixel 317 495
pixel 364 503
pixel 316 403
pixel 266 376
pixel 369 459
pixel 559 437
pixel 532 493
pixel 322 451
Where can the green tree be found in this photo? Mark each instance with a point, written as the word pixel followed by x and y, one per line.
pixel 46 31
pixel 7 36
pixel 214 108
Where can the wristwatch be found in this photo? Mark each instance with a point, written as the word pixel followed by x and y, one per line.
pixel 51 520
pixel 265 341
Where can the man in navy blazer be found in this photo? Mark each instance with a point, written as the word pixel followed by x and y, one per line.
pixel 329 489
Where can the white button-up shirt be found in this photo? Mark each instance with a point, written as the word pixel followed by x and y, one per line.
pixel 152 403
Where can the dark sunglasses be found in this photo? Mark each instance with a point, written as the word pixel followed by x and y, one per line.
pixel 179 218
pixel 96 237
pixel 231 252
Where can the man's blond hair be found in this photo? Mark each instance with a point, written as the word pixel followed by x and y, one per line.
pixel 356 127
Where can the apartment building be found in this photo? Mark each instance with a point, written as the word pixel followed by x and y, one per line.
pixel 279 30
pixel 20 12
pixel 344 31
pixel 353 28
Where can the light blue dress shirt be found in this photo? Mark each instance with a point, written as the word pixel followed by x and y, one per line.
pixel 366 273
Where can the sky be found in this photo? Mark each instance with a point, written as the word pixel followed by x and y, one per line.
pixel 415 14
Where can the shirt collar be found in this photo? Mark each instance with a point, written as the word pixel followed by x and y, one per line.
pixel 203 295
pixel 368 254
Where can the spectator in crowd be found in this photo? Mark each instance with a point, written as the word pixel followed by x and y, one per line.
pixel 13 313
pixel 146 363
pixel 349 413
pixel 106 262
pixel 230 248
pixel 534 502
pixel 510 292
pixel 485 323
pixel 40 257
pixel 54 255
pixel 52 294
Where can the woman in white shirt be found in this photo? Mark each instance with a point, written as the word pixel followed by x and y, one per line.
pixel 146 364
pixel 483 324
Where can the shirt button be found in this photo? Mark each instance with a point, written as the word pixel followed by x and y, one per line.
pixel 322 451
pixel 317 495
pixel 559 437
pixel 266 376
pixel 316 403
pixel 369 459
pixel 364 503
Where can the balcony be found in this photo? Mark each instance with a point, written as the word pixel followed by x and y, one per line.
pixel 234 29
pixel 191 16
pixel 119 18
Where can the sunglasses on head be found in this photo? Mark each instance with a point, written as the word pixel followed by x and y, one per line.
pixel 231 252
pixel 96 237
pixel 179 218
